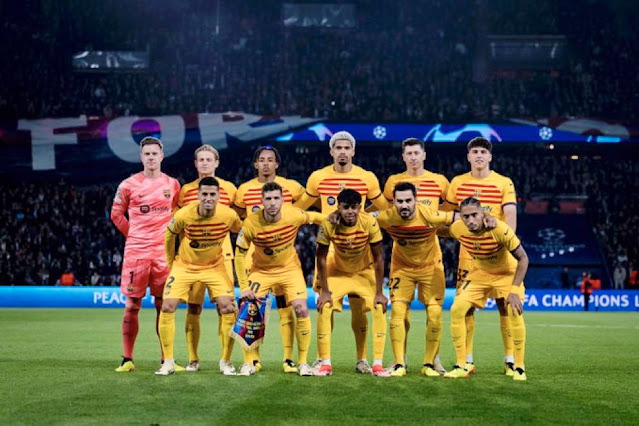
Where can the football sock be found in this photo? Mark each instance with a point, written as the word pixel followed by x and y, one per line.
pixel 303 339
pixel 359 324
pixel 433 332
pixel 167 333
pixel 518 329
pixel 470 332
pixel 130 326
pixel 398 330
pixel 506 334
pixel 324 334
pixel 287 330
pixel 379 332
pixel 227 321
pixel 458 329
pixel 192 329
pixel 406 330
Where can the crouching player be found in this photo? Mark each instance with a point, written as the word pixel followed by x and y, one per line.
pixel 500 264
pixel 355 267
pixel 200 258
pixel 275 264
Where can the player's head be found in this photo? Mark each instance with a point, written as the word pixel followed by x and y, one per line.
pixel 480 153
pixel 266 160
pixel 413 153
pixel 349 203
pixel 405 198
pixel 151 153
pixel 472 214
pixel 342 146
pixel 207 160
pixel 272 198
pixel 208 192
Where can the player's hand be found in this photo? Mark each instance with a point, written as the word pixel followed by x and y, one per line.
pixel 334 218
pixel 515 301
pixel 380 299
pixel 489 221
pixel 324 299
pixel 248 295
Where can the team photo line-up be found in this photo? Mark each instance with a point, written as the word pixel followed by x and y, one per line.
pixel 178 244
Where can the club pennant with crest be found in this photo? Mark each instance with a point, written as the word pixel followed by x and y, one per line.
pixel 250 326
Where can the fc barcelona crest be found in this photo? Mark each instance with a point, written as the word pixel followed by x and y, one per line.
pixel 477 193
pixel 167 193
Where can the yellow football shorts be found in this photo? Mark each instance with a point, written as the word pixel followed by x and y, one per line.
pixel 183 278
pixel 430 283
pixel 361 283
pixel 481 285
pixel 289 283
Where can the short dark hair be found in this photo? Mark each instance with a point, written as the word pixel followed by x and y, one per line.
pixel 208 181
pixel 259 150
pixel 271 186
pixel 349 197
pixel 150 140
pixel 479 143
pixel 405 186
pixel 412 142
pixel 470 201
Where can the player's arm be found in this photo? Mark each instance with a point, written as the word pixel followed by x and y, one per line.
pixel 522 266
pixel 239 210
pixel 325 294
pixel 448 206
pixel 509 203
pixel 315 218
pixel 175 202
pixel 306 201
pixel 119 208
pixel 170 236
pixel 510 215
pixel 242 244
pixel 378 261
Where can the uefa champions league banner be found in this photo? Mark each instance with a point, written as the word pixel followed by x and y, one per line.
pixel 74 146
pixel 110 297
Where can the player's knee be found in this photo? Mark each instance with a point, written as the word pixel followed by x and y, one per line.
pixel 399 311
pixel 133 304
pixel 195 309
pixel 169 306
pixel 225 307
pixel 434 313
pixel 459 309
pixel 301 310
pixel 501 306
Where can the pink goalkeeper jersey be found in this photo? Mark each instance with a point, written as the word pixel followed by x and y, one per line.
pixel 149 203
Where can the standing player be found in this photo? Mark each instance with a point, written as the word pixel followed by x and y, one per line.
pixel 499 266
pixel 416 262
pixel 207 160
pixel 356 266
pixel 431 191
pixel 266 161
pixel 200 259
pixel 326 184
pixel 148 198
pixel 497 196
pixel 272 231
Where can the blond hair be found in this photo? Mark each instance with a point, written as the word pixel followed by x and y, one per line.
pixel 343 135
pixel 209 148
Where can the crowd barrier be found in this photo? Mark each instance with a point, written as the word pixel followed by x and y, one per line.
pixel 110 297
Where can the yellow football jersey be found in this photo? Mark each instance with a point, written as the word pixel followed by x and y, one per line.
pixel 490 249
pixel 431 187
pixel 494 192
pixel 352 243
pixel 275 242
pixel 188 193
pixel 203 236
pixel 415 242
pixel 326 183
pixel 249 194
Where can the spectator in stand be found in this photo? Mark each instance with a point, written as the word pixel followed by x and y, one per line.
pixel 619 276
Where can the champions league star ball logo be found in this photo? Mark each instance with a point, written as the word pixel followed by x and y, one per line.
pixel 255 208
pixel 545 133
pixel 379 132
pixel 331 200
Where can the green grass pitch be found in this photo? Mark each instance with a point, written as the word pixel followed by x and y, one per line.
pixel 57 368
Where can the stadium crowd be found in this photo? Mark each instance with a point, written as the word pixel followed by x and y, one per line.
pixel 50 228
pixel 424 67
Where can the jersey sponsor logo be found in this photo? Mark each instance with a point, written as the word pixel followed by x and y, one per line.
pixel 145 209
pixel 255 208
pixel 331 200
pixel 167 193
pixel 268 251
pixel 194 244
pixel 401 242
